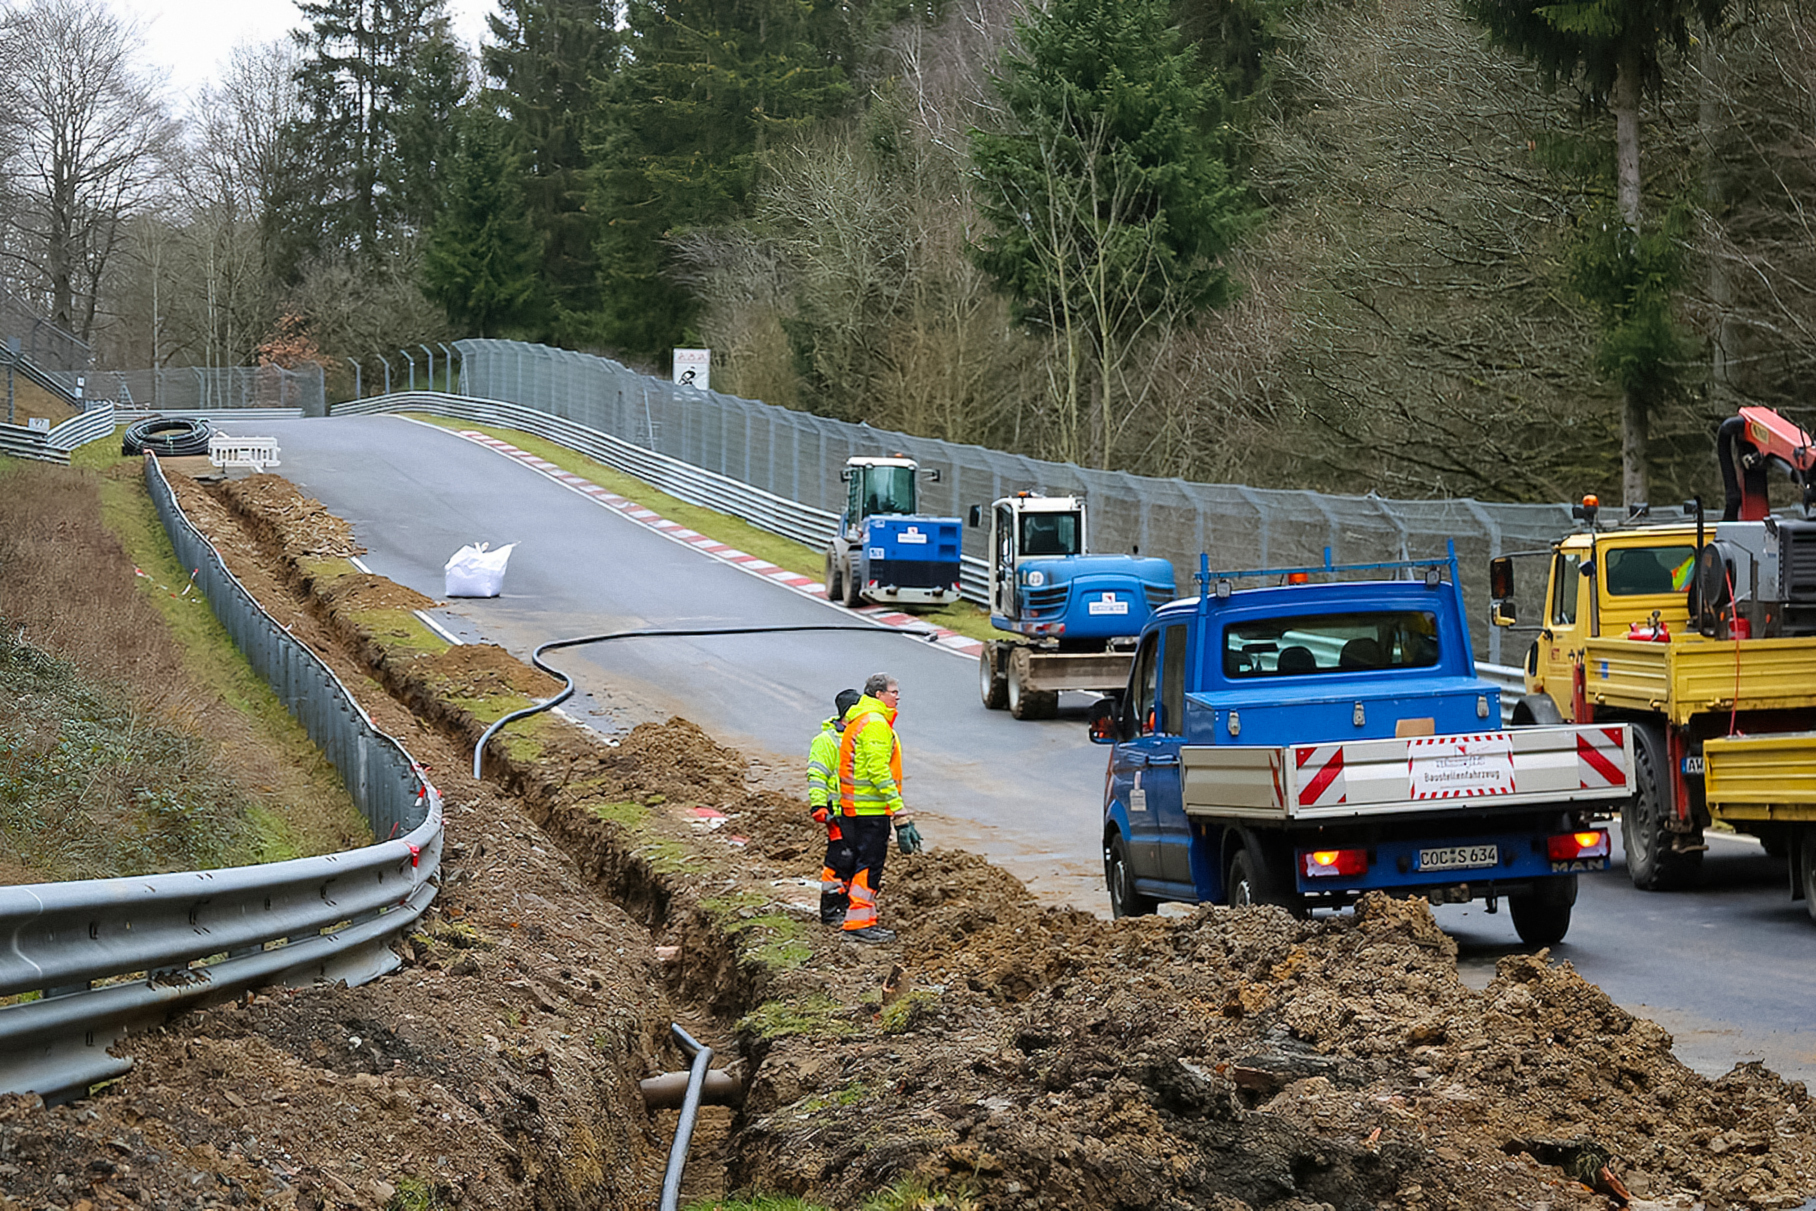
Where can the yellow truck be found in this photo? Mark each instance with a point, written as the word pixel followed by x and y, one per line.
pixel 1701 636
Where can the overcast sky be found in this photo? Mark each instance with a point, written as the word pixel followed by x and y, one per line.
pixel 188 41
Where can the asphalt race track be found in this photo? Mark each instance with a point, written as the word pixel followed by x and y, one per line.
pixel 1729 969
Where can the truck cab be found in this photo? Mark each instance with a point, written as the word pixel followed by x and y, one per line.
pixel 885 550
pixel 1301 744
pixel 1073 615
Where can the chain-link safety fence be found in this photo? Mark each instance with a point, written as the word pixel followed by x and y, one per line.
pixel 40 341
pixel 197 388
pixel 798 456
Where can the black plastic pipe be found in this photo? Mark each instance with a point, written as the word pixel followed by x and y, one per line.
pixel 567 689
pixel 690 1109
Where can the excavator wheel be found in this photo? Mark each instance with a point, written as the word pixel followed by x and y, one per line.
pixel 1025 703
pixel 851 598
pixel 991 682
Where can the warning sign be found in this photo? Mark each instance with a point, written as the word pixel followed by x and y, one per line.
pixel 1460 767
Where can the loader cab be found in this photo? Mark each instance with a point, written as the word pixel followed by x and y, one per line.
pixel 1025 529
pixel 879 485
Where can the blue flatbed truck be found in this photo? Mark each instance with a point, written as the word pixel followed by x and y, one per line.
pixel 1303 743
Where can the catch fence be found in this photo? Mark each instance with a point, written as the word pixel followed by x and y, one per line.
pixel 797 456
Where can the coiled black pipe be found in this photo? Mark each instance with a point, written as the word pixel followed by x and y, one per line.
pixel 169 437
pixel 567 689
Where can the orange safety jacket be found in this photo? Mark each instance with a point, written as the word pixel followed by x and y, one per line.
pixel 870 761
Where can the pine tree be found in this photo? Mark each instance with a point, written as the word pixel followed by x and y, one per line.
pixel 545 58
pixel 380 80
pixel 1614 52
pixel 1108 203
pixel 482 261
pixel 705 86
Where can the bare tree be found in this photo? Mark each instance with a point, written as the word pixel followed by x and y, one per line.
pixel 89 128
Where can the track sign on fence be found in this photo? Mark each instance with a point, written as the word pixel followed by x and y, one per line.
pixel 693 367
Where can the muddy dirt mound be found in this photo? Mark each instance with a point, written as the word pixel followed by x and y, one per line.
pixel 299 524
pixel 482 670
pixel 367 592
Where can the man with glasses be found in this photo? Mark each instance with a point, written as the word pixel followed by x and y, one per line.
pixel 870 801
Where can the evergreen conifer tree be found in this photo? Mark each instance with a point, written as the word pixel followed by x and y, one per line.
pixel 482 262
pixel 704 86
pixel 545 57
pixel 1614 52
pixel 1107 200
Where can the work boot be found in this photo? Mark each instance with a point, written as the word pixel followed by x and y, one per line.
pixel 871 935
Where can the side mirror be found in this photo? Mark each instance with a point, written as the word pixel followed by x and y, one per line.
pixel 933 475
pixel 977 516
pixel 1101 719
pixel 1500 577
pixel 1503 614
pixel 845 476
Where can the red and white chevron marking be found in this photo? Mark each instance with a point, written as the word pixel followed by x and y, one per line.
pixel 1321 782
pixel 1601 758
pixel 950 640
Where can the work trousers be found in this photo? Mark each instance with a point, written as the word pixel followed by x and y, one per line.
pixel 867 842
pixel 835 893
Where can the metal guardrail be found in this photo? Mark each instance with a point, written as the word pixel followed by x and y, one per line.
pixel 791 519
pixel 98 422
pixel 111 955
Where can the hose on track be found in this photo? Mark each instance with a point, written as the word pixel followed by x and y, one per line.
pixel 167 436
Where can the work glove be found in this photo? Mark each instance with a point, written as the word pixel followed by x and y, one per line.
pixel 908 838
pixel 819 815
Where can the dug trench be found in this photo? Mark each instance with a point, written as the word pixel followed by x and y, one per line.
pixel 1000 1055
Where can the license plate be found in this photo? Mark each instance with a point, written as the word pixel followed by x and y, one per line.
pixel 1693 767
pixel 1459 857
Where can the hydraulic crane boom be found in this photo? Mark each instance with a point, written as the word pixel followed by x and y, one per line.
pixel 1745 445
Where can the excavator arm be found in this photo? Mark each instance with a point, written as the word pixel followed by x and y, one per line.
pixel 1746 445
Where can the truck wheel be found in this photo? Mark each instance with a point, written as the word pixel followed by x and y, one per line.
pixel 1542 917
pixel 1125 901
pixel 1806 869
pixel 990 680
pixel 1652 863
pixel 1251 882
pixel 1024 703
pixel 835 585
pixel 851 598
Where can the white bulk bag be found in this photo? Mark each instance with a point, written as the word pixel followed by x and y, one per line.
pixel 475 571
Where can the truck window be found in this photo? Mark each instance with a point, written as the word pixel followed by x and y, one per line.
pixel 1330 643
pixel 1140 708
pixel 888 490
pixel 1644 571
pixel 1172 682
pixel 1049 534
pixel 1565 584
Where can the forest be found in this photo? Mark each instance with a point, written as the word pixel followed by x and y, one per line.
pixel 1507 249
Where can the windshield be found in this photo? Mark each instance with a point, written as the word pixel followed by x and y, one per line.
pixel 1642 571
pixel 1049 534
pixel 1330 643
pixel 888 490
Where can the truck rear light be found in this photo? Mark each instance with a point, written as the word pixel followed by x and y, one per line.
pixel 1565 846
pixel 1324 863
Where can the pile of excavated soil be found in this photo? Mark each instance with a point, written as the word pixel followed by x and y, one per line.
pixel 1030 1057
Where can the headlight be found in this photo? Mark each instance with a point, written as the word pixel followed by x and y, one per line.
pixel 1036 579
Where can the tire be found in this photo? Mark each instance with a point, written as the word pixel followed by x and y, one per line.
pixel 1024 703
pixel 835 585
pixel 1652 863
pixel 1806 869
pixel 1542 917
pixel 1536 710
pixel 1125 901
pixel 991 682
pixel 851 598
pixel 1252 882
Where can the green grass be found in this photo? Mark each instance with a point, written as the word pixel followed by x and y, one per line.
pixel 816 1015
pixel 962 617
pixel 756 1202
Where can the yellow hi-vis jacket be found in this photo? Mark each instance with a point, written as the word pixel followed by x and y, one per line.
pixel 870 761
pixel 823 764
